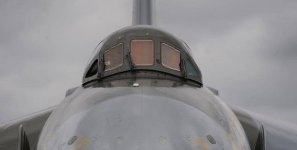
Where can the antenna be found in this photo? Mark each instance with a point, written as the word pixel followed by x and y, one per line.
pixel 143 12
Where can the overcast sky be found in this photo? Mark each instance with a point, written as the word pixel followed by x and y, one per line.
pixel 245 49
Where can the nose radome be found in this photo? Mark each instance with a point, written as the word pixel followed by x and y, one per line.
pixel 143 122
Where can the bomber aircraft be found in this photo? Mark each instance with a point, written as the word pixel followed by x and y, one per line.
pixel 142 90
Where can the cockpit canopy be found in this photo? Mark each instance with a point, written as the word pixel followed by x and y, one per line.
pixel 141 49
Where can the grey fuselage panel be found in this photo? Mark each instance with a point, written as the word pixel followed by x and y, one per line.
pixel 143 114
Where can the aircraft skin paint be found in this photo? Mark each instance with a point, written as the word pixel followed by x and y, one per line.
pixel 144 117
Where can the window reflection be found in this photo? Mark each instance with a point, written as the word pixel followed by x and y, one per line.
pixel 93 69
pixel 113 58
pixel 191 71
pixel 170 57
pixel 142 52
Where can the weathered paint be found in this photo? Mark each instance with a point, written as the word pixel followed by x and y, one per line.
pixel 144 117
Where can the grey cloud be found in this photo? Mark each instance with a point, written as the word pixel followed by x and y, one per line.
pixel 213 18
pixel 44 48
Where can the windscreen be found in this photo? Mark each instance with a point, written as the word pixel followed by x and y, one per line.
pixel 170 57
pixel 142 52
pixel 113 58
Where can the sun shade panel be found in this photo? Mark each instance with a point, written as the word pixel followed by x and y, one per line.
pixel 170 57
pixel 113 58
pixel 142 52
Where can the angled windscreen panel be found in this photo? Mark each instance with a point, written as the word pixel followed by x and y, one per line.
pixel 170 57
pixel 93 69
pixel 113 58
pixel 142 52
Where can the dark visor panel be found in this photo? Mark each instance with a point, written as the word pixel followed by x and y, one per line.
pixel 170 57
pixel 113 58
pixel 142 52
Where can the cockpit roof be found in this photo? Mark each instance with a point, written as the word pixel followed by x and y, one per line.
pixel 141 49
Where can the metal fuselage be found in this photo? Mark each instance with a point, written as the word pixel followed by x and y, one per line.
pixel 155 114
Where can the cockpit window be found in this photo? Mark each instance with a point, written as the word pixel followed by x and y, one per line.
pixel 93 69
pixel 170 57
pixel 113 58
pixel 191 71
pixel 142 52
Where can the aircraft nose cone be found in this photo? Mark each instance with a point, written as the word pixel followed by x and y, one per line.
pixel 140 122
